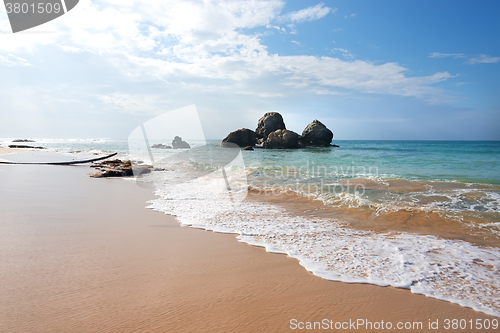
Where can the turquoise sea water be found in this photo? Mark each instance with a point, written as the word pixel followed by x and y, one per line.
pixel 400 185
pixel 463 161
pixel 456 179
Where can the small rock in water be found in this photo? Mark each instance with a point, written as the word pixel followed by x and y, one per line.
pixel 23 140
pixel 161 146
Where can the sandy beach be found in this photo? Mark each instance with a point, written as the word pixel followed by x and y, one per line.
pixel 85 255
pixel 6 151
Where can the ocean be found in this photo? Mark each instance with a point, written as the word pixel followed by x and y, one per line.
pixel 420 215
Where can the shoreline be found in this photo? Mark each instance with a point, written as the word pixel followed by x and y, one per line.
pixel 8 151
pixel 407 221
pixel 84 254
pixel 313 268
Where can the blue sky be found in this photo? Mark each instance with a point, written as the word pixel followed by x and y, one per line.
pixel 368 69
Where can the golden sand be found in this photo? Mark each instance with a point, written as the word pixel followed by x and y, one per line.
pixel 5 151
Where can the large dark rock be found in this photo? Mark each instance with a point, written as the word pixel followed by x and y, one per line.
pixel 302 143
pixel 316 134
pixel 178 143
pixel 269 123
pixel 242 137
pixel 282 139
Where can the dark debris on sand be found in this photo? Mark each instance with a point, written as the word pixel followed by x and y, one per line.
pixel 119 168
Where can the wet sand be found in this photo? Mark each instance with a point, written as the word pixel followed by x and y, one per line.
pixel 83 255
pixel 6 151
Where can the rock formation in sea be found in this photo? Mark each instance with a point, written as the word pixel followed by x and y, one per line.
pixel 177 143
pixel 269 123
pixel 282 139
pixel 317 135
pixel 271 133
pixel 160 146
pixel 23 140
pixel 242 137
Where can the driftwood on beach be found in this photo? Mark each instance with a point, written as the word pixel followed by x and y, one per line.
pixel 62 163
pixel 105 169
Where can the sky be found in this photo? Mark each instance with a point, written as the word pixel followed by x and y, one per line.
pixel 368 69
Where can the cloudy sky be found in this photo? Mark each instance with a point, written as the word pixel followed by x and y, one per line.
pixel 387 69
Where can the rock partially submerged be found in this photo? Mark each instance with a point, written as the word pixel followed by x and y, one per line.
pixel 282 139
pixel 248 148
pixel 317 135
pixel 119 168
pixel 177 143
pixel 242 137
pixel 269 123
pixel 23 146
pixel 161 146
pixel 23 140
pixel 271 133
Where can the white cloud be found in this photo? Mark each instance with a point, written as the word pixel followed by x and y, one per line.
pixel 269 26
pixel 297 43
pixel 444 55
pixel 308 14
pixel 185 43
pixel 131 103
pixel 71 49
pixel 345 53
pixel 350 16
pixel 293 31
pixel 389 78
pixel 12 60
pixel 483 59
